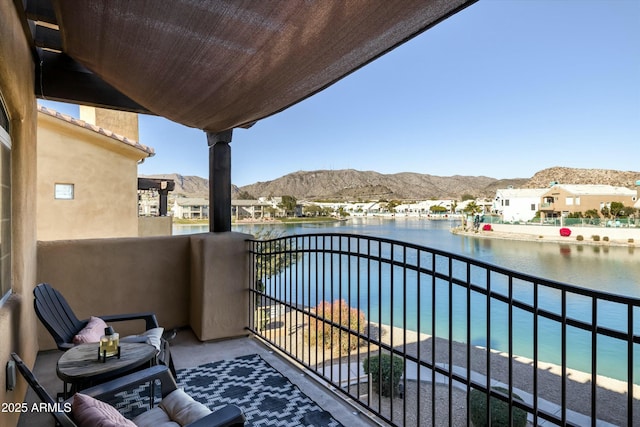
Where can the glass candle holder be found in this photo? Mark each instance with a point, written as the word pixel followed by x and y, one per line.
pixel 109 342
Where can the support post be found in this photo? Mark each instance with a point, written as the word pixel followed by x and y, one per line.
pixel 219 181
pixel 163 194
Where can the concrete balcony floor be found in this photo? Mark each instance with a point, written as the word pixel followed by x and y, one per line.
pixel 188 352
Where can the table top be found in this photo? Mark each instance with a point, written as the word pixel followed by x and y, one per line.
pixel 81 363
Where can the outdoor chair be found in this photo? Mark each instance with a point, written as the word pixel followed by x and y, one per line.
pixel 57 316
pixel 175 407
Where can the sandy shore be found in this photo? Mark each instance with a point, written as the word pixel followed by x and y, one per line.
pixel 611 394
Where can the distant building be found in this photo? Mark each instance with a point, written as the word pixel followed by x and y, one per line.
pixel 424 207
pixel 87 178
pixel 564 199
pixel 518 204
pixel 191 208
pixel 255 209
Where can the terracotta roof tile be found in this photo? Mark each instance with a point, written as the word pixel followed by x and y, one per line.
pixel 48 111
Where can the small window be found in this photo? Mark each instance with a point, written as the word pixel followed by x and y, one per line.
pixel 569 201
pixel 64 191
pixel 533 206
pixel 506 202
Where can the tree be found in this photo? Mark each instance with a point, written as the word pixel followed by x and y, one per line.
pixel 472 208
pixel 312 210
pixel 288 204
pixel 273 255
pixel 628 211
pixel 437 209
pixel 591 213
pixel 616 208
pixel 391 205
pixel 468 196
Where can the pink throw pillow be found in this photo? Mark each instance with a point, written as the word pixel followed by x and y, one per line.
pixel 92 332
pixel 90 412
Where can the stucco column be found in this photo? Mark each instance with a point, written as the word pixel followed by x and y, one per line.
pixel 219 181
pixel 219 306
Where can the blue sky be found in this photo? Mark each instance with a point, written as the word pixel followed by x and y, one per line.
pixel 502 89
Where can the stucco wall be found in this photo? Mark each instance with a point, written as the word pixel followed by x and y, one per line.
pixel 17 321
pixel 587 201
pixel 120 122
pixel 155 226
pixel 198 280
pixel 109 276
pixel 104 174
pixel 219 305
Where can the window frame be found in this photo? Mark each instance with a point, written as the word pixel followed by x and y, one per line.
pixel 5 142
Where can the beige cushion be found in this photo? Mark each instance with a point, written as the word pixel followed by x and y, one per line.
pixel 155 417
pixel 90 412
pixel 181 408
pixel 152 336
pixel 92 332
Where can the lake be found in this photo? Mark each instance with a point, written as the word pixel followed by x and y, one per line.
pixel 611 269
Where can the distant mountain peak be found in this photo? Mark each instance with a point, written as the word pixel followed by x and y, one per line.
pixel 351 184
pixel 565 175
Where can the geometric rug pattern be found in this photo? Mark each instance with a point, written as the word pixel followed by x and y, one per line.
pixel 266 397
pixel 264 394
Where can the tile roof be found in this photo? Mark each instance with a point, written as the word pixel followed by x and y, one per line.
pixel 596 189
pixel 97 129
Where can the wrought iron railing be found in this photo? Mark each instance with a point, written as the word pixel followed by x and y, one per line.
pixel 437 331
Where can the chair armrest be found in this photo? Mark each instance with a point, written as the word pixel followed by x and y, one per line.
pixel 65 346
pixel 134 339
pixel 149 318
pixel 230 415
pixel 106 391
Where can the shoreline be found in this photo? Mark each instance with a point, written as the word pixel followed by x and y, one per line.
pixel 526 377
pixel 500 233
pixel 608 237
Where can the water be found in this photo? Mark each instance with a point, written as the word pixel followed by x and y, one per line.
pixel 614 270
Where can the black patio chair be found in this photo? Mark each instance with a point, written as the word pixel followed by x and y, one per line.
pixel 57 316
pixel 227 416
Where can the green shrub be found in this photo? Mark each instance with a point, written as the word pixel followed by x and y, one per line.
pixel 499 410
pixel 580 237
pixel 332 337
pixel 383 369
pixel 596 238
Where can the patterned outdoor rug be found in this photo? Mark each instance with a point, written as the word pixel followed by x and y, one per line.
pixel 266 397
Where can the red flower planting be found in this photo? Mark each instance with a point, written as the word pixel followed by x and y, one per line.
pixel 565 232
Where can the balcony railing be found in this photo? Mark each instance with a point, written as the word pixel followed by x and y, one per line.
pixel 550 351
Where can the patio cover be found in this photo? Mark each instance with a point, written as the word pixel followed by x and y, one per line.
pixel 214 65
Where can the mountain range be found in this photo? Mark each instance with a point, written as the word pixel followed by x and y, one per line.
pixel 349 184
